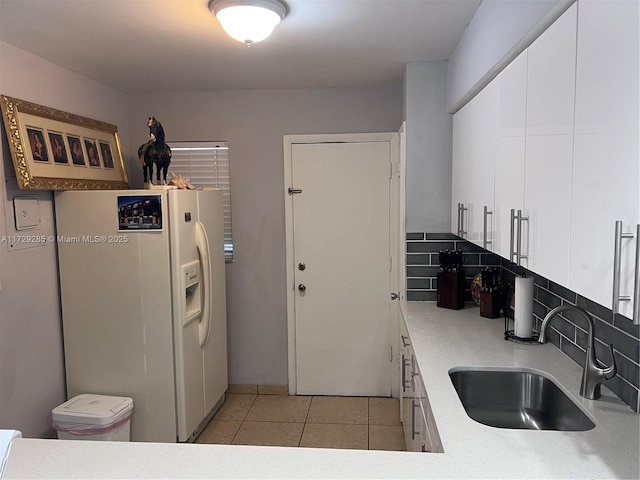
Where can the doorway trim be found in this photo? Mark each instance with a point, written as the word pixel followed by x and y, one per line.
pixel 395 191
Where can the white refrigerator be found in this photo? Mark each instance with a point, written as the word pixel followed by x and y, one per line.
pixel 142 281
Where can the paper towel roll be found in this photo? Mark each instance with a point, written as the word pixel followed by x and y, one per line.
pixel 523 308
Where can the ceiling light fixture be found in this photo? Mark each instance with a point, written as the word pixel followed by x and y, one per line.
pixel 248 21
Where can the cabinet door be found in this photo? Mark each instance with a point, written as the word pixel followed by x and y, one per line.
pixel 417 440
pixel 407 400
pixel 474 131
pixel 423 442
pixel 407 386
pixel 549 149
pixel 430 438
pixel 411 405
pixel 551 78
pixel 606 167
pixel 548 206
pixel 418 423
pixel 481 166
pixel 510 151
pixel 461 155
pixel 412 413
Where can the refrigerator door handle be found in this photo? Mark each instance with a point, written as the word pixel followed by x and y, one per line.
pixel 202 244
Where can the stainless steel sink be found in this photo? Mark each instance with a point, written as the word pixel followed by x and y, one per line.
pixel 517 399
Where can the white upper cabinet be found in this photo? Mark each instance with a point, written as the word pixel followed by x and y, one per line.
pixel 549 149
pixel 510 151
pixel 461 155
pixel 474 131
pixel 606 166
pixel 551 78
pixel 481 168
pixel 559 128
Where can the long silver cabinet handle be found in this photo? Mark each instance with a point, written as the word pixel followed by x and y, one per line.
pixel 636 281
pixel 461 209
pixel 464 228
pixel 515 241
pixel 485 241
pixel 518 236
pixel 460 219
pixel 519 255
pixel 414 405
pixel 413 373
pixel 617 251
pixel 617 259
pixel 405 364
pixel 512 238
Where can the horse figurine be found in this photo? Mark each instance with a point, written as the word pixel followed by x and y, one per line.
pixel 155 151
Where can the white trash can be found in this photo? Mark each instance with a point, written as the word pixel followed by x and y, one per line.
pixel 94 417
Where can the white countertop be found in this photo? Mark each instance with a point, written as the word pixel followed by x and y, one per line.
pixel 6 437
pixel 442 339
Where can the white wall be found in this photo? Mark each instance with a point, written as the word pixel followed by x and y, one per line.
pixel 254 122
pixel 31 355
pixel 429 143
pixel 497 33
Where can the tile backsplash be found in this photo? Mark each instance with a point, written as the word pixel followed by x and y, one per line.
pixel 423 263
pixel 568 331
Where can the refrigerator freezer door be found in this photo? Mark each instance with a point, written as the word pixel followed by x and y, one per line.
pixel 210 215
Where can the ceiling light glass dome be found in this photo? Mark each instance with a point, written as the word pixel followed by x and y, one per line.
pixel 248 21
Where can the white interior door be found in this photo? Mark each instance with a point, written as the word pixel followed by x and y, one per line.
pixel 341 255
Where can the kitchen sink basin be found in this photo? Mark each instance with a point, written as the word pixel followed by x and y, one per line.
pixel 517 399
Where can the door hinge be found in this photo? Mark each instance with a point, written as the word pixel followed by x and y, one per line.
pixel 294 191
pixel 390 169
pixel 391 353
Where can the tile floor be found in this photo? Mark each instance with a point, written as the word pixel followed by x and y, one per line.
pixel 266 415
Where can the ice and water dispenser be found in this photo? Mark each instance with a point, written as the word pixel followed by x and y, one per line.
pixel 192 291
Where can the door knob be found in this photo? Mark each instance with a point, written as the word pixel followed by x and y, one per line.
pixel 301 266
pixel 302 288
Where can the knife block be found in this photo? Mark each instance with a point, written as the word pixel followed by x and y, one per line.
pixel 450 290
pixel 490 304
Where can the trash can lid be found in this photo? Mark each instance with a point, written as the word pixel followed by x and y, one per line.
pixel 93 409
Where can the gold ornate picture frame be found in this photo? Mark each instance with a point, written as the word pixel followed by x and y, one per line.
pixel 56 150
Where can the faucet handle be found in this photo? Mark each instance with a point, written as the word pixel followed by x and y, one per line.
pixel 610 371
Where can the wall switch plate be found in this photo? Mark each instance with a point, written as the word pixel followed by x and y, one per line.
pixel 26 211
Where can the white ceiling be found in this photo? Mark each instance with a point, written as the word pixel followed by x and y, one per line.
pixel 176 45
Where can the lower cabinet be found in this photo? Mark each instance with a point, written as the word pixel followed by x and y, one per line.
pixel 418 423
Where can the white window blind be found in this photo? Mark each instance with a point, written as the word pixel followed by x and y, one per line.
pixel 206 164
